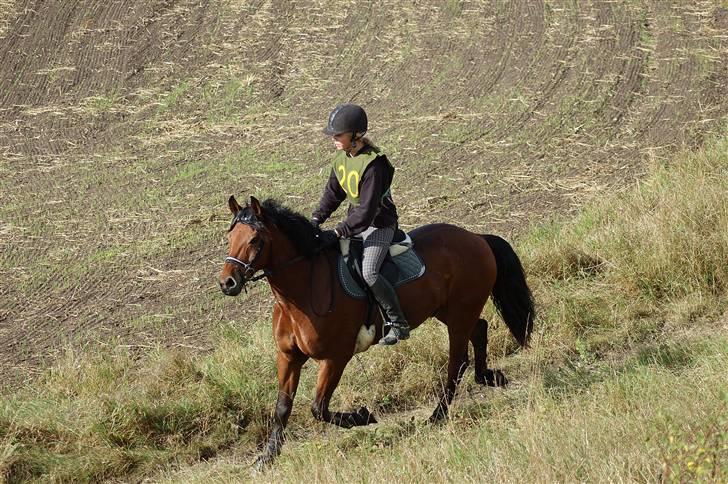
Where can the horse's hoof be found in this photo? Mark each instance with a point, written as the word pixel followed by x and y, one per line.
pixel 492 378
pixel 345 420
pixel 262 462
pixel 497 379
pixel 365 417
pixel 437 417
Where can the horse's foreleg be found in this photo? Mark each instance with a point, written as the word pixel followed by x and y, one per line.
pixel 456 367
pixel 483 375
pixel 289 372
pixel 329 374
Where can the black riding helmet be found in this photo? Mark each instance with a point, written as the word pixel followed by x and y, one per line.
pixel 345 118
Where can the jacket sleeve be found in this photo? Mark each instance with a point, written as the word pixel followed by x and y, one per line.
pixel 371 189
pixel 330 200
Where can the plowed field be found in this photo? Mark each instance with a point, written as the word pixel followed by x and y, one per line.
pixel 125 125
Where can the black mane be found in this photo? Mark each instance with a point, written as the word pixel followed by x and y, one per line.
pixel 298 229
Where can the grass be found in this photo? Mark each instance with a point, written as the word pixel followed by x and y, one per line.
pixel 173 97
pixel 100 409
pixel 674 219
pixel 620 429
pixel 493 115
pixel 626 378
pixel 101 104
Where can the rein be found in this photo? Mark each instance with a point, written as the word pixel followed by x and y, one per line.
pixel 331 285
pixel 248 266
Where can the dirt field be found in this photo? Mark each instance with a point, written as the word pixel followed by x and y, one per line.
pixel 125 125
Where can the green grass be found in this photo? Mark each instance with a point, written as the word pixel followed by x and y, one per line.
pixel 100 408
pixel 453 8
pixel 174 97
pixel 626 379
pixel 658 255
pixel 223 101
pixel 620 429
pixel 125 230
pixel 101 104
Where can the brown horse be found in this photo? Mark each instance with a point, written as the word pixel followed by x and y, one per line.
pixel 462 270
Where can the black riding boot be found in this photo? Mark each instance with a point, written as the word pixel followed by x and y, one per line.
pixel 387 298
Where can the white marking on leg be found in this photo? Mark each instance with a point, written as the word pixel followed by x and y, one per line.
pixel 365 338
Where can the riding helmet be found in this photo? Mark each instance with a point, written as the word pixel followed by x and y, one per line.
pixel 345 118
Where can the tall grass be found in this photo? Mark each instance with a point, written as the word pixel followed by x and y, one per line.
pixel 639 263
pixel 108 413
pixel 626 379
pixel 648 423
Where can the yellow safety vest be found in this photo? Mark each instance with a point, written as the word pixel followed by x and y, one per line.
pixel 350 169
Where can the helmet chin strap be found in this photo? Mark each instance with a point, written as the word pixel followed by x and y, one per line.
pixel 352 149
pixel 354 144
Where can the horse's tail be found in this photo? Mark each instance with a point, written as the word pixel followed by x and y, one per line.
pixel 511 295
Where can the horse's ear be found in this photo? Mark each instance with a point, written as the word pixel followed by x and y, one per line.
pixel 255 205
pixel 234 205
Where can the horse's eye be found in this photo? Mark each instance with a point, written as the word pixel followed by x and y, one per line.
pixel 254 240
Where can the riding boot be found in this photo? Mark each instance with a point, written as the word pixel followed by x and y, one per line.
pixel 387 298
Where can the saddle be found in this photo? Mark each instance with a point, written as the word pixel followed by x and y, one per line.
pixel 402 264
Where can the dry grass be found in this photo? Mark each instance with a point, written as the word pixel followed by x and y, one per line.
pixel 8 10
pixel 644 424
pixel 620 384
pixel 116 160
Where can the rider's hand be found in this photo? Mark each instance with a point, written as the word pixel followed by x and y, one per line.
pixel 328 237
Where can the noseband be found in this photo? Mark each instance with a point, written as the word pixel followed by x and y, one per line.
pixel 247 217
pixel 248 269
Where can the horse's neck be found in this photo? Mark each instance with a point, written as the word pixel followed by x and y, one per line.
pixel 289 283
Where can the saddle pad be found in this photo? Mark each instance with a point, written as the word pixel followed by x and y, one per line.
pixel 409 267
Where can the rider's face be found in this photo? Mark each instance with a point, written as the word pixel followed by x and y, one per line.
pixel 343 141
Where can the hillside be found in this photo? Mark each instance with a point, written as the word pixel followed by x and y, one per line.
pixel 124 127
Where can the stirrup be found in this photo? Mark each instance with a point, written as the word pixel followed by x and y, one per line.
pixel 397 332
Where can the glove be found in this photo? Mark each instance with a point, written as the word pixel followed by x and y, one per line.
pixel 328 237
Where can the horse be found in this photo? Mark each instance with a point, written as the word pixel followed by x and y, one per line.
pixel 463 269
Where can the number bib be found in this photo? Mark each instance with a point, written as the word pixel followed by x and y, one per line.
pixel 349 171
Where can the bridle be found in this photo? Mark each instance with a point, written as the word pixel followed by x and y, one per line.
pixel 249 269
pixel 248 218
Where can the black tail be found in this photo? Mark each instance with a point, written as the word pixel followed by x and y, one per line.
pixel 511 295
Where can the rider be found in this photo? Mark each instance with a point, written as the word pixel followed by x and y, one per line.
pixel 362 174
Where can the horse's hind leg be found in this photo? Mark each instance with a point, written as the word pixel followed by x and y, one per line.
pixel 329 374
pixel 484 375
pixel 458 362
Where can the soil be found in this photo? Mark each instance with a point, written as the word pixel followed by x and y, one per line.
pixel 496 116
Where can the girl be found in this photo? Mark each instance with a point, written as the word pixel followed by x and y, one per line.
pixel 362 174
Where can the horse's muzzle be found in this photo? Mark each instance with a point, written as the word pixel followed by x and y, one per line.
pixel 230 286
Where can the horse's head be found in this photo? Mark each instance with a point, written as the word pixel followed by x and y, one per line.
pixel 248 246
